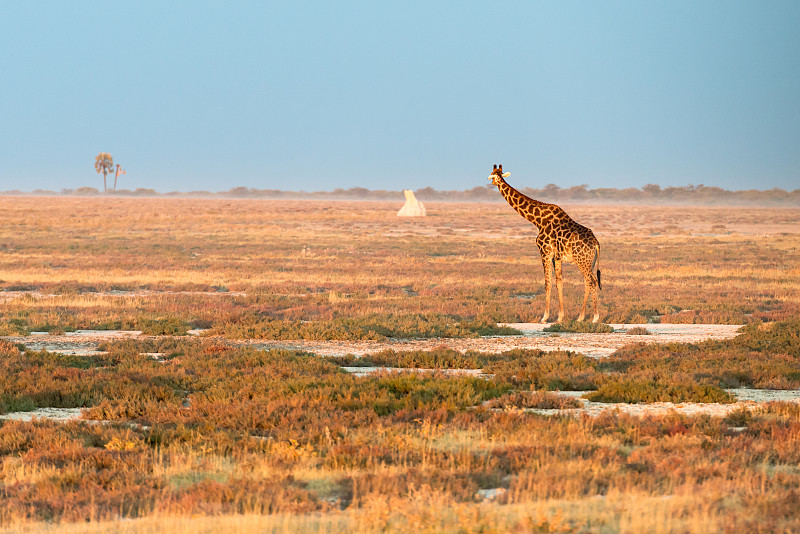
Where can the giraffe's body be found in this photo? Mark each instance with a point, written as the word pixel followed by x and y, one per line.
pixel 560 239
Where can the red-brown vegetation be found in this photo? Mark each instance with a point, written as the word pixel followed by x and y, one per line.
pixel 216 428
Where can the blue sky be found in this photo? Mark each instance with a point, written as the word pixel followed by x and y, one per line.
pixel 391 95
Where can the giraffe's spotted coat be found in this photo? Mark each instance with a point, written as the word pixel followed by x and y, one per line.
pixel 560 239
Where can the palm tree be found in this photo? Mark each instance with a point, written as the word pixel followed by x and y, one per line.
pixel 104 163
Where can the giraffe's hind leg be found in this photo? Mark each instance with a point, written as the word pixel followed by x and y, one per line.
pixel 589 288
pixel 585 299
pixel 595 284
pixel 547 263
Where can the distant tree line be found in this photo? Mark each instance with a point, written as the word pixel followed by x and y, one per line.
pixel 649 194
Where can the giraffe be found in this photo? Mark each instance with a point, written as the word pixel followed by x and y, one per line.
pixel 560 239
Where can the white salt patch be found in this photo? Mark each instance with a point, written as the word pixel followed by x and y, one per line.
pixel 77 343
pixel 77 352
pixel 603 345
pixel 54 414
pixel 747 398
pixel 104 333
pixel 716 331
pixel 765 395
pixel 366 371
pixel 73 348
pixel 533 337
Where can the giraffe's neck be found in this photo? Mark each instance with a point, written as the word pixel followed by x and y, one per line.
pixel 524 205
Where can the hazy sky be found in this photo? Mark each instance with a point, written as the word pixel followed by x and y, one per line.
pixel 391 95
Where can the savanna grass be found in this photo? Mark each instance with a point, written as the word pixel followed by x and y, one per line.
pixel 215 429
pixel 127 263
pixel 221 429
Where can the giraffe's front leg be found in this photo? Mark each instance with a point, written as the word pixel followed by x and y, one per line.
pixel 560 287
pixel 547 263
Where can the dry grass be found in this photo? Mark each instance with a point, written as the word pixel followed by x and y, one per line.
pixel 426 511
pixel 321 262
pixel 218 437
pixel 219 430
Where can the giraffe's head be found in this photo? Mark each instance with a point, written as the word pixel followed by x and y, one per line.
pixel 497 175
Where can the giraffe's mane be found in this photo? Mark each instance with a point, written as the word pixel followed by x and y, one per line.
pixel 526 197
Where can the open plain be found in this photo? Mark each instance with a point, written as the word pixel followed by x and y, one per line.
pixel 215 394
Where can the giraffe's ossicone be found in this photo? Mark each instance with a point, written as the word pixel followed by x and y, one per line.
pixel 560 239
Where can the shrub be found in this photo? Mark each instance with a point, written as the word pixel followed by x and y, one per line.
pixel 634 392
pixel 762 356
pixel 582 327
pixel 739 417
pixel 537 399
pixel 169 325
pixel 638 331
pixel 534 369
pixel 366 327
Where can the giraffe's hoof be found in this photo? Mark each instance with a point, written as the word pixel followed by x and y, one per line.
pixel 580 318
pixel 560 319
pixel 595 318
pixel 544 319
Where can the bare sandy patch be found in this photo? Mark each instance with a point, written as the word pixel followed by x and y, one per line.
pixel 8 296
pixel 747 398
pixel 533 337
pixel 77 343
pixel 54 414
pixel 366 371
pixel 85 342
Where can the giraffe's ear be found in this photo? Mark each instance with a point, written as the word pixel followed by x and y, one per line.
pixel 506 174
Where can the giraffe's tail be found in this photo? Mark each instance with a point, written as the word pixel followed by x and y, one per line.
pixel 597 264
